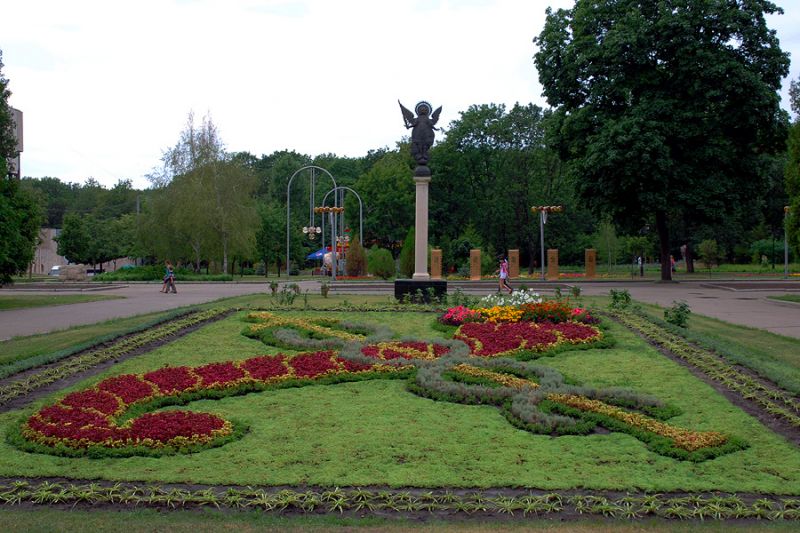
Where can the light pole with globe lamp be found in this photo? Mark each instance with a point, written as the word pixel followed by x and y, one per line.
pixel 543 210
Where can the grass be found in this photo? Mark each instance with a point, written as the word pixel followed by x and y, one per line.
pixel 378 433
pixel 146 520
pixel 787 298
pixel 22 302
pixel 19 348
pixel 773 356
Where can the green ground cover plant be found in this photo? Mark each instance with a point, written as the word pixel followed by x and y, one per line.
pixel 775 357
pixel 37 300
pixel 377 433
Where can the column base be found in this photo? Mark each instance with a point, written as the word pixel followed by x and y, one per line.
pixel 403 287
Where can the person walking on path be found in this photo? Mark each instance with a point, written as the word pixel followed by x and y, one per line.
pixel 169 279
pixel 504 276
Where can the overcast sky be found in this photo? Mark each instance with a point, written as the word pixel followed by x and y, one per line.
pixel 106 86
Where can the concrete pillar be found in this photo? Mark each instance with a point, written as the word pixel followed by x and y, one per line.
pixel 591 263
pixel 513 263
pixel 552 263
pixel 436 264
pixel 475 264
pixel 421 229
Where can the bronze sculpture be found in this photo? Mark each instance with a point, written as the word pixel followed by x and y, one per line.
pixel 422 133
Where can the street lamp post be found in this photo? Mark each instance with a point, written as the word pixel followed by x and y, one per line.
pixel 543 210
pixel 786 210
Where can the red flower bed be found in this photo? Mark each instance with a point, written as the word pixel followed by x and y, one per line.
pixel 171 380
pixel 315 364
pixel 266 368
pixel 387 351
pixel 168 425
pixel 490 339
pixel 99 400
pixel 219 373
pixel 129 387
pixel 88 418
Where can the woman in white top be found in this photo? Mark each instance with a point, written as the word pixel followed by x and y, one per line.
pixel 504 276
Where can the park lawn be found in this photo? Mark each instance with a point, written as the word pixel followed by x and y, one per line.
pixel 775 357
pixel 8 301
pixel 20 348
pixel 377 433
pixel 787 297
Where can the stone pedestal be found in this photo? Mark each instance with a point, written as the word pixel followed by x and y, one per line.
pixel 591 263
pixel 475 264
pixel 513 263
pixel 436 264
pixel 415 289
pixel 421 226
pixel 552 264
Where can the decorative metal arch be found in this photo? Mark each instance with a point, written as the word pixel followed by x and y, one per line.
pixel 360 211
pixel 289 203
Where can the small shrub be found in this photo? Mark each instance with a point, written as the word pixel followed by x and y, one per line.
pixel 356 264
pixel 709 253
pixel 382 264
pixel 620 298
pixel 678 314
pixel 407 255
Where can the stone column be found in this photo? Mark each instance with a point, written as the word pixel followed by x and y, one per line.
pixel 552 264
pixel 421 229
pixel 591 263
pixel 475 264
pixel 513 263
pixel 436 264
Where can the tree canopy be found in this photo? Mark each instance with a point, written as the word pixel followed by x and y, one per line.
pixel 663 108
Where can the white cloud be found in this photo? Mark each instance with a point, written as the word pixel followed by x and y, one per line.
pixel 105 87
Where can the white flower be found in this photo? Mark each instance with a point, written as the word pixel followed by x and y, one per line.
pixel 522 296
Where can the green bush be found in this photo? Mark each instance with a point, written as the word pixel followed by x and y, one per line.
pixel 678 314
pixel 407 255
pixel 381 264
pixel 709 253
pixel 356 259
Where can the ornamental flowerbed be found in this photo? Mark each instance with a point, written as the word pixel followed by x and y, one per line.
pixel 537 399
pixel 387 351
pixel 104 417
pixel 490 339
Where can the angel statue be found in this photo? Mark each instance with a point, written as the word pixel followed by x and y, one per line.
pixel 424 126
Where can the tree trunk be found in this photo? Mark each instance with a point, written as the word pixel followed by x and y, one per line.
pixel 689 258
pixel 663 242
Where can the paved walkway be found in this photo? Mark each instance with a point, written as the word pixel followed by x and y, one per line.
pixel 739 302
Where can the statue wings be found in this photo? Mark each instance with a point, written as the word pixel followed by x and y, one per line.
pixel 408 116
pixel 435 115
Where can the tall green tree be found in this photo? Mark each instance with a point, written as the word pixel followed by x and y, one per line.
pixel 74 239
pixel 207 196
pixel 20 214
pixel 387 191
pixel 492 166
pixel 792 172
pixel 665 107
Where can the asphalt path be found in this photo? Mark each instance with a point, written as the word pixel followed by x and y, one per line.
pixel 739 302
